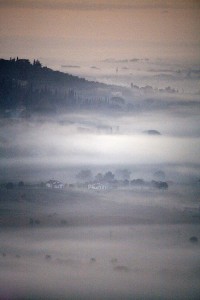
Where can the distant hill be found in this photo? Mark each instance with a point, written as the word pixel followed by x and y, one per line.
pixel 24 70
pixel 26 86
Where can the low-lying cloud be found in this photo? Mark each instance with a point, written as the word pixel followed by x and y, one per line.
pixel 50 144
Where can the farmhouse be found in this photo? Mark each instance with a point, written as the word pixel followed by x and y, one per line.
pixel 54 184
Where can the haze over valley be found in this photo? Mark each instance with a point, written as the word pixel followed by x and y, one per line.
pixel 99 147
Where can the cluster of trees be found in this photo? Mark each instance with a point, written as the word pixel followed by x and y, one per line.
pixel 86 175
pixel 10 185
pixel 121 178
pixel 150 89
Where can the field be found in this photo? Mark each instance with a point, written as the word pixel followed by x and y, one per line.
pixel 118 244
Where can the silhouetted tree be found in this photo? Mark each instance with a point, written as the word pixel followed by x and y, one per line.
pixel 126 182
pixel 99 177
pixel 21 184
pixel 160 184
pixel 9 185
pixel 84 175
pixel 42 184
pixel 193 239
pixel 37 63
pixel 109 176
pixel 137 182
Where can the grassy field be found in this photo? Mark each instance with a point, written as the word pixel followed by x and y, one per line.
pixel 50 207
pixel 79 244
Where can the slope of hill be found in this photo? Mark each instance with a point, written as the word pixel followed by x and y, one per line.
pixel 36 88
pixel 24 70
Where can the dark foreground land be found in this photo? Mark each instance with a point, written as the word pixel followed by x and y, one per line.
pixel 80 244
pixel 72 207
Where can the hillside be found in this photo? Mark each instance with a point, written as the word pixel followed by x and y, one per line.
pixel 30 87
pixel 24 70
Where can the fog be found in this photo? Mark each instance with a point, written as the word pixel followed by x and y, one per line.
pixel 95 140
pixel 75 244
pixel 160 95
pixel 180 74
pixel 145 262
pixel 99 150
pixel 102 201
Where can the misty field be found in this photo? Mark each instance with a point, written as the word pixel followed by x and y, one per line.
pixel 77 244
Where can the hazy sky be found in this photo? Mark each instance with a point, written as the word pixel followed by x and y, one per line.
pixel 94 30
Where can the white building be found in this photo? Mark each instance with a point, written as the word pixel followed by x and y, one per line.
pixel 97 186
